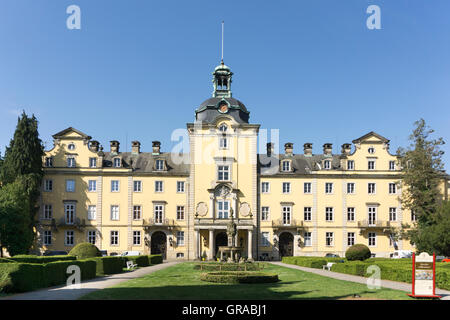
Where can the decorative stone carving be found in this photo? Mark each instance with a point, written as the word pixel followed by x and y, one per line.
pixel 244 210
pixel 222 191
pixel 202 209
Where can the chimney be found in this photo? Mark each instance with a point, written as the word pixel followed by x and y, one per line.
pixel 114 146
pixel 307 149
pixel 156 147
pixel 270 148
pixel 346 148
pixel 327 148
pixel 135 147
pixel 93 145
pixel 289 148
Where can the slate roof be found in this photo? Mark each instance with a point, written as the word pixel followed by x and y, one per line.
pixel 208 112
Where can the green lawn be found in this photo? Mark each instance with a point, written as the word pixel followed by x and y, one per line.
pixel 182 282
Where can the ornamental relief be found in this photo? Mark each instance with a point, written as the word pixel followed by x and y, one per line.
pixel 202 209
pixel 244 210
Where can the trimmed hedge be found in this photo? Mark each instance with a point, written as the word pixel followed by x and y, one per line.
pixel 108 265
pixel 155 259
pixel 21 277
pixel 141 261
pixel 228 266
pixel 85 250
pixel 309 262
pixel 5 260
pixel 239 277
pixel 56 272
pixel 24 258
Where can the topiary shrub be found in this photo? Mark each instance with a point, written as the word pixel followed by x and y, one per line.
pixel 85 250
pixel 239 277
pixel 358 251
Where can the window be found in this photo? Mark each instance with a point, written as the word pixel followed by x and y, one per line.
pixel 47 238
pixel 223 142
pixel 265 187
pixel 371 165
pixel 69 212
pixel 393 214
pixel 180 186
pixel 158 186
pixel 392 188
pixel 350 238
pixel 265 239
pixel 413 216
pixel 180 255
pixel 265 213
pixel 350 165
pixel 136 238
pixel 70 185
pixel 49 161
pixel 307 187
pixel 350 214
pixel 286 166
pixel 180 238
pixel 69 238
pixel 327 164
pixel 114 238
pixel 92 185
pixel 371 150
pixel 158 213
pixel 329 239
pixel 137 212
pixel 92 162
pixel 71 146
pixel 48 185
pixel 116 162
pixel 329 213
pixel 286 211
pixel 91 237
pixel 92 212
pixel 180 212
pixel 71 162
pixel 223 208
pixel 371 188
pixel 223 128
pixel 48 211
pixel 329 187
pixel 307 238
pixel 223 173
pixel 307 213
pixel 137 186
pixel 115 186
pixel 159 165
pixel 372 239
pixel 372 212
pixel 115 212
pixel 286 187
pixel 391 165
pixel 350 187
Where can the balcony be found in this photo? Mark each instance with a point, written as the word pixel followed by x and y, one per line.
pixel 62 223
pixel 158 223
pixel 223 222
pixel 374 224
pixel 283 224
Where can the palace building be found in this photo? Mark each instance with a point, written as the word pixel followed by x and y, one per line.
pixel 179 204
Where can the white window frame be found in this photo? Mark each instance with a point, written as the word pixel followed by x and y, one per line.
pixel 327 164
pixel 68 183
pixel 137 185
pixel 223 213
pixel 286 187
pixel 265 239
pixel 159 165
pixel 117 162
pixel 327 191
pixel 265 213
pixel 180 238
pixel 137 212
pixel 307 239
pixel 180 186
pixel 372 211
pixel 392 166
pixel 307 213
pixel 351 238
pixel 70 210
pixel 374 164
pixel 47 237
pixel 267 189
pixel 47 213
pixel 92 212
pixel 369 189
pixel 49 162
pixel 286 166
pixel 286 215
pixel 222 171
pixel 352 191
pixel 71 163
pixel 158 213
pixel 392 213
pixel 307 187
pixel 137 237
pixel 92 185
pixel 352 166
pixel 392 187
pixel 351 211
pixel 181 213
pixel 159 186
pixel 92 162
pixel 48 185
pixel 374 239
pixel 66 237
pixel 115 185
pixel 329 211
pixel 114 214
pixel 329 235
pixel 114 234
pixel 92 234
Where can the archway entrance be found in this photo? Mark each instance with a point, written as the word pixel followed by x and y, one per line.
pixel 221 240
pixel 286 244
pixel 158 243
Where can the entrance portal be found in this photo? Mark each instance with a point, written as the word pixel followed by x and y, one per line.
pixel 286 244
pixel 158 243
pixel 221 240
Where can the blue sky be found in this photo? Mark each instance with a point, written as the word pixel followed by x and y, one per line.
pixel 138 69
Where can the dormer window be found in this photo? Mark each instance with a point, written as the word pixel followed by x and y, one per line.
pixel 286 166
pixel 350 165
pixel 71 162
pixel 49 162
pixel 71 146
pixel 117 162
pixel 327 164
pixel 159 165
pixel 92 162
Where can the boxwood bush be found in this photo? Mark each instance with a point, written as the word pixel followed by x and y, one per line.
pixel 239 277
pixel 155 259
pixel 40 259
pixel 5 260
pixel 56 272
pixel 85 250
pixel 108 265
pixel 358 251
pixel 21 277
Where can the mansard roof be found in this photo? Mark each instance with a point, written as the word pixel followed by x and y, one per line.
pixel 301 164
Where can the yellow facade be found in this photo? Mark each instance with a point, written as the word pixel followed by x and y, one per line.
pixel 181 205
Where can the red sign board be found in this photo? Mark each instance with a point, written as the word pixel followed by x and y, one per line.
pixel 424 276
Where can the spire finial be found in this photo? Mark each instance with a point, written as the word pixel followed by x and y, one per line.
pixel 223 22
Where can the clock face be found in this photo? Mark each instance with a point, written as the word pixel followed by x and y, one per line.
pixel 223 108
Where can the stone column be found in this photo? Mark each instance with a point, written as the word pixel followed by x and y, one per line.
pixel 249 241
pixel 211 244
pixel 211 205
pixel 197 244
